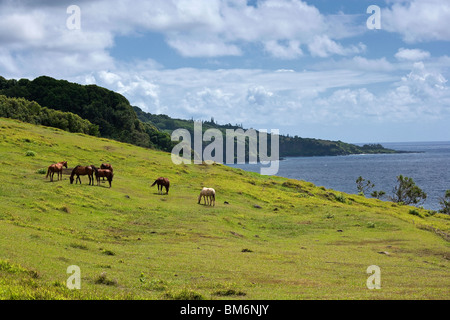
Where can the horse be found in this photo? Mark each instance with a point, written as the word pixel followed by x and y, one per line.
pixel 99 173
pixel 106 166
pixel 162 182
pixel 56 167
pixel 82 171
pixel 208 194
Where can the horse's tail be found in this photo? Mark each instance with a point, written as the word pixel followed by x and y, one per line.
pixel 154 183
pixel 48 172
pixel 95 168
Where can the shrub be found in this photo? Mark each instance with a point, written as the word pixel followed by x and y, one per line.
pixel 340 198
pixel 101 279
pixel 415 213
pixel 30 153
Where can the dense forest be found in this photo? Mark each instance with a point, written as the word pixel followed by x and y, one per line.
pixel 110 111
pixel 108 114
pixel 31 112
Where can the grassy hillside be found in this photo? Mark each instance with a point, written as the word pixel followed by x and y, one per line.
pixel 275 239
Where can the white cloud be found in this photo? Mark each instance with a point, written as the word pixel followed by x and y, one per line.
pixel 202 48
pixel 291 50
pixel 412 54
pixel 322 46
pixel 418 21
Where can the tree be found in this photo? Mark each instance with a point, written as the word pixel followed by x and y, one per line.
pixel 407 192
pixel 445 203
pixel 363 186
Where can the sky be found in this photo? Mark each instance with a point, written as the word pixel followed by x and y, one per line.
pixel 329 69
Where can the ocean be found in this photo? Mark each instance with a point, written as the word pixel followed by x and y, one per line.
pixel 428 165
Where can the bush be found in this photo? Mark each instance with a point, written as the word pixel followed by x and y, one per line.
pixel 101 279
pixel 415 213
pixel 30 153
pixel 340 198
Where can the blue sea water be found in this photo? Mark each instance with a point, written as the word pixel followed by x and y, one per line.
pixel 428 165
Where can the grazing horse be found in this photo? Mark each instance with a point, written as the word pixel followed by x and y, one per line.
pixel 106 166
pixel 99 173
pixel 56 167
pixel 208 194
pixel 82 171
pixel 162 182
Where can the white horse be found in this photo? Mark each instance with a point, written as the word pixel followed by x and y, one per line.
pixel 208 194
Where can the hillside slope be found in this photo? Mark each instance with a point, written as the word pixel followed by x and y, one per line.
pixel 275 239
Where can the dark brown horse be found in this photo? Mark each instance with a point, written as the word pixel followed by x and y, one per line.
pixel 162 182
pixel 82 171
pixel 99 173
pixel 106 166
pixel 56 167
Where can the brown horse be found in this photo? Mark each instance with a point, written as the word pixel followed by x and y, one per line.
pixel 56 167
pixel 82 171
pixel 103 173
pixel 162 182
pixel 106 166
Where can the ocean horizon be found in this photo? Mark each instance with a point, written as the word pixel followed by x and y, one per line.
pixel 427 163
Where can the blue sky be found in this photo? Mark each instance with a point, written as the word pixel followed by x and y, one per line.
pixel 307 68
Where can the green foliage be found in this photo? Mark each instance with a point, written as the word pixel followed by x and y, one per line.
pixel 378 194
pixel 289 146
pixel 340 197
pixel 184 294
pixel 31 112
pixel 363 186
pixel 103 279
pixel 414 212
pixel 30 153
pixel 110 114
pixel 407 192
pixel 445 203
pixel 41 171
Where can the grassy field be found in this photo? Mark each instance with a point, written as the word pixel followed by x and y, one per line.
pixel 275 239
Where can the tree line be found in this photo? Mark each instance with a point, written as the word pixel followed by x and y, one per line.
pixel 31 112
pixel 109 111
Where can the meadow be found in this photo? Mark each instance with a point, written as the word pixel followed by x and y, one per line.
pixel 274 238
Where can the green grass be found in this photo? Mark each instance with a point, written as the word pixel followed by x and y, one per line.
pixel 302 242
